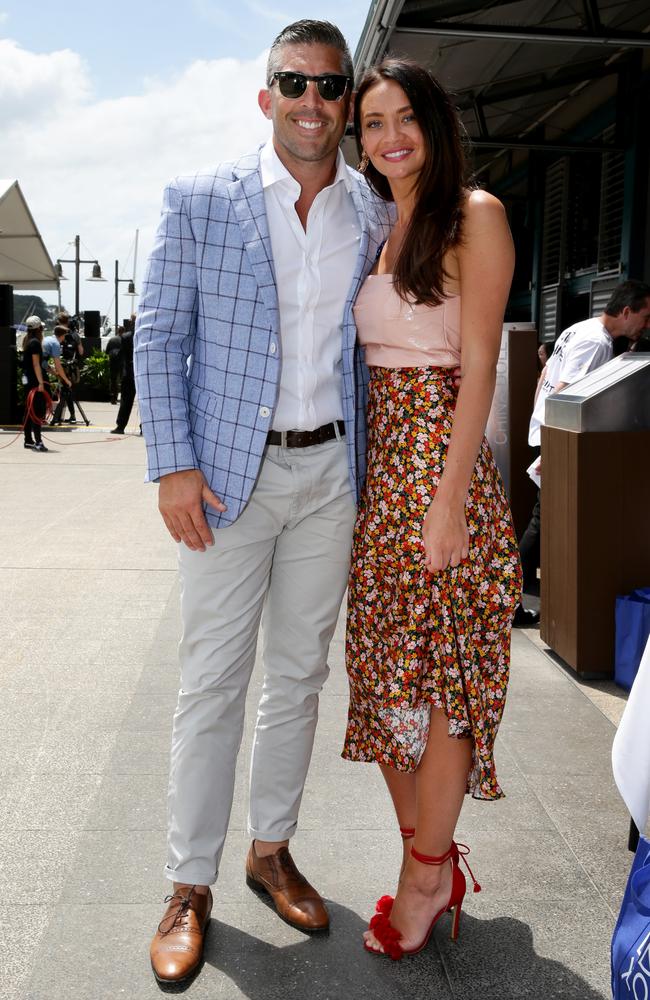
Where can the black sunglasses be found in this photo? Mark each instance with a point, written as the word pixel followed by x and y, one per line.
pixel 331 86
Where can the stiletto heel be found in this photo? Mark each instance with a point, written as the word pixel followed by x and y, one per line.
pixel 389 937
pixel 455 921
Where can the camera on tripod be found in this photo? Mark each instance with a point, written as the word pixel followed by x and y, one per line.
pixel 70 350
pixel 71 365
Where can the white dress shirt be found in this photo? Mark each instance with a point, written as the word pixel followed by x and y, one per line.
pixel 313 271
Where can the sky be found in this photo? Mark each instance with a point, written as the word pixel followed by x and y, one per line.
pixel 100 105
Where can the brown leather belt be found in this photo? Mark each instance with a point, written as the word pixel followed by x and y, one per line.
pixel 304 439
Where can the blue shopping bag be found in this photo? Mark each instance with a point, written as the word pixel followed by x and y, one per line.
pixel 632 631
pixel 631 940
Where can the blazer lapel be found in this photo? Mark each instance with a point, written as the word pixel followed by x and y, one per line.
pixel 247 199
pixel 365 243
pixel 375 227
pixel 375 219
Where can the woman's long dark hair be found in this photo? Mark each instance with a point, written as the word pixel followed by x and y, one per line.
pixel 436 223
pixel 32 335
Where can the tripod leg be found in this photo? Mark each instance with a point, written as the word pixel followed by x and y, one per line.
pixel 81 411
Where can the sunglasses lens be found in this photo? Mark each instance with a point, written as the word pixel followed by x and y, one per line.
pixel 292 85
pixel 332 88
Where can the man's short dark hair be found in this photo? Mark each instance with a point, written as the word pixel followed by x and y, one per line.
pixel 309 33
pixel 629 293
pixel 61 331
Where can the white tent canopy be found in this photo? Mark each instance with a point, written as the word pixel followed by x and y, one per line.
pixel 24 261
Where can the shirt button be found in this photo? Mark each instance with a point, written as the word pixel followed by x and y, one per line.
pixel 273 348
pixel 264 411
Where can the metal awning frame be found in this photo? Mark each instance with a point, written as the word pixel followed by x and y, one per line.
pixel 486 32
pixel 382 25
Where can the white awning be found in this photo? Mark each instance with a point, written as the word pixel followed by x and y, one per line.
pixel 24 261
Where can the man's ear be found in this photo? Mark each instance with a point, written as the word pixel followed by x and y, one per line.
pixel 264 101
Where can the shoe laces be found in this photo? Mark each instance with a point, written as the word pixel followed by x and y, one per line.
pixel 287 866
pixel 178 915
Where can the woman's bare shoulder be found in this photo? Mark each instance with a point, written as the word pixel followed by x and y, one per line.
pixel 481 208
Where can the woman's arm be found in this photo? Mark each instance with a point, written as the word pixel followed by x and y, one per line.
pixel 485 266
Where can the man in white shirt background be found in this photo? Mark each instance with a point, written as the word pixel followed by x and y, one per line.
pixel 579 349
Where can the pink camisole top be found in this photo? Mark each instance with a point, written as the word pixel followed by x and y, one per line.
pixel 398 335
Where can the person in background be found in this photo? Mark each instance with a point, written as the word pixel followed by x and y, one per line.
pixel 578 350
pixel 72 352
pixel 52 352
pixel 114 351
pixel 543 354
pixel 589 344
pixel 127 390
pixel 72 340
pixel 34 379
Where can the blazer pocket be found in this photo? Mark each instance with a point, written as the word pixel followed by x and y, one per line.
pixel 205 402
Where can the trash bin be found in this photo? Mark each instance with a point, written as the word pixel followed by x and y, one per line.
pixel 595 497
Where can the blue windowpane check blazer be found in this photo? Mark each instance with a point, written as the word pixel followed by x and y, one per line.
pixel 207 342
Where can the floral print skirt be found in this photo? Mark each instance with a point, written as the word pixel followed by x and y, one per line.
pixel 416 640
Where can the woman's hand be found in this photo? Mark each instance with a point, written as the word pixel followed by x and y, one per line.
pixel 444 535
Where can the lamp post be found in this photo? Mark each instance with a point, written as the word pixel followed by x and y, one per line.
pixel 77 261
pixel 130 291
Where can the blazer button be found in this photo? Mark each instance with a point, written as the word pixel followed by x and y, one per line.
pixel 264 411
pixel 273 348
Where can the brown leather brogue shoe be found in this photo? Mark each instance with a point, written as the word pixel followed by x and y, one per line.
pixel 295 900
pixel 177 946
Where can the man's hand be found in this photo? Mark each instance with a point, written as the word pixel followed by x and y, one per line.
pixel 180 499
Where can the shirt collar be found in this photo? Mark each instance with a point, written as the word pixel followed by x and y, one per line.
pixel 273 170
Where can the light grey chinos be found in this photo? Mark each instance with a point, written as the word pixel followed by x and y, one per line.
pixel 285 560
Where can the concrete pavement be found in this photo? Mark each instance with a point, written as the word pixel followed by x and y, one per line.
pixel 89 624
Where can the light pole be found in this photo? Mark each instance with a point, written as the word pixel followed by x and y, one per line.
pixel 77 261
pixel 130 291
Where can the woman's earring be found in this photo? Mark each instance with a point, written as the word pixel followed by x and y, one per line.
pixel 363 163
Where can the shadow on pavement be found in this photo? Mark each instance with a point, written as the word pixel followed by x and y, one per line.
pixel 494 960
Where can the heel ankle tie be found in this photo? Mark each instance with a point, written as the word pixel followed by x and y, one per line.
pixel 431 859
pixel 456 852
pixel 462 854
pixel 407 832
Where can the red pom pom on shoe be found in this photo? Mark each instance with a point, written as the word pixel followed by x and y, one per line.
pixel 386 934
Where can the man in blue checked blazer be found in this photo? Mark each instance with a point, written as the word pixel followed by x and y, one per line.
pixel 252 397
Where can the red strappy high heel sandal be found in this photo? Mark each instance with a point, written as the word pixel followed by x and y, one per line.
pixel 389 937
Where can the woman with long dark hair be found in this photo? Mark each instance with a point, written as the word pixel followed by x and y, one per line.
pixel 435 571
